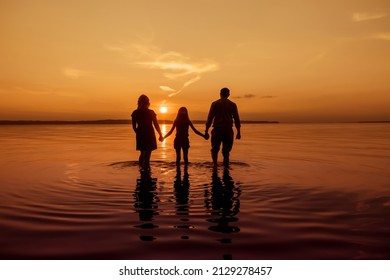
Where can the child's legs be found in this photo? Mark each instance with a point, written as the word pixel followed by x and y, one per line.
pixel 185 154
pixel 178 157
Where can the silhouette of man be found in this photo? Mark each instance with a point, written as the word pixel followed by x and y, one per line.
pixel 221 115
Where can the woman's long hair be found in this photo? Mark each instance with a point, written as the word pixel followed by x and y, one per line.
pixel 182 116
pixel 143 102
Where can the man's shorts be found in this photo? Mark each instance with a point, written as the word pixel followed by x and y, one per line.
pixel 222 135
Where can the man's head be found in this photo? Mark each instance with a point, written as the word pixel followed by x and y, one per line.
pixel 225 92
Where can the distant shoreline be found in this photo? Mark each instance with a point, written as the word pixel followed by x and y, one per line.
pixel 374 122
pixel 124 121
pixel 109 121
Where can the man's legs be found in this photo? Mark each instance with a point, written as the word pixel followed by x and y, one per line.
pixel 227 144
pixel 216 139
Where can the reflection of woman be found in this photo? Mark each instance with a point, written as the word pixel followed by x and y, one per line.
pixel 224 202
pixel 143 120
pixel 146 202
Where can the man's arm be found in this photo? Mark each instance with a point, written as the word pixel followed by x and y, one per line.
pixel 210 118
pixel 237 122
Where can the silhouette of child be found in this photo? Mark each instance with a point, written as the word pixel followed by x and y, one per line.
pixel 181 142
pixel 143 120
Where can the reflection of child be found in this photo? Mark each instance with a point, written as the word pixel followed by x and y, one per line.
pixel 143 120
pixel 181 142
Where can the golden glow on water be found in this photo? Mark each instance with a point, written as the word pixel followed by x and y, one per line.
pixel 327 185
pixel 164 130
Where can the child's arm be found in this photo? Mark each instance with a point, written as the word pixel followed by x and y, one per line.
pixel 156 125
pixel 170 132
pixel 196 131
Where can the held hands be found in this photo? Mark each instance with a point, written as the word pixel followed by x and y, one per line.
pixel 206 136
pixel 161 138
pixel 238 136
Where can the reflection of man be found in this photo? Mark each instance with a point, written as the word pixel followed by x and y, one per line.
pixel 223 199
pixel 221 115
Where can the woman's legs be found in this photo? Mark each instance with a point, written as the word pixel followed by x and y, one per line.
pixel 141 158
pixel 148 153
pixel 144 159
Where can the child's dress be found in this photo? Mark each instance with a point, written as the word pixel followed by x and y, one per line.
pixel 181 139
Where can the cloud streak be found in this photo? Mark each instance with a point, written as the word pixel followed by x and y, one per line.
pixel 245 96
pixel 268 96
pixel 174 65
pixel 317 58
pixel 363 16
pixel 166 88
pixel 382 36
pixel 74 73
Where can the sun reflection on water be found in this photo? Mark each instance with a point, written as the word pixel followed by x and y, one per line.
pixel 164 130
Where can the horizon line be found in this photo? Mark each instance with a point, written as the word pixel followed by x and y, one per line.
pixel 105 121
pixel 127 121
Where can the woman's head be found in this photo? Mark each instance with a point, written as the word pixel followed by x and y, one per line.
pixel 182 114
pixel 143 102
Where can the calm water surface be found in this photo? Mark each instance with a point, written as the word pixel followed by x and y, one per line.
pixel 293 191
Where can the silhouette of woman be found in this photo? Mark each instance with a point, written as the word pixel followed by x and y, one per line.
pixel 143 120
pixel 182 123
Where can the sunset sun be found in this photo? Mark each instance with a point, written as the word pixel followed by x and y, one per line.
pixel 163 109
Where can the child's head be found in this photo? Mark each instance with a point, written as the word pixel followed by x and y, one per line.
pixel 143 102
pixel 182 114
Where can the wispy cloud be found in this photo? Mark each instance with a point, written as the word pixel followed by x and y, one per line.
pixel 363 16
pixel 382 36
pixel 166 88
pixel 245 96
pixel 186 84
pixel 268 96
pixel 45 91
pixel 174 65
pixel 74 73
pixel 316 58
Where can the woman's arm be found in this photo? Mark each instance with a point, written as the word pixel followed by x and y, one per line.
pixel 157 126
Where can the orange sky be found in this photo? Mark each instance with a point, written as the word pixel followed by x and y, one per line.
pixel 289 60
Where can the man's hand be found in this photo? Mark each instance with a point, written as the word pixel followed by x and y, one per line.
pixel 206 136
pixel 238 136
